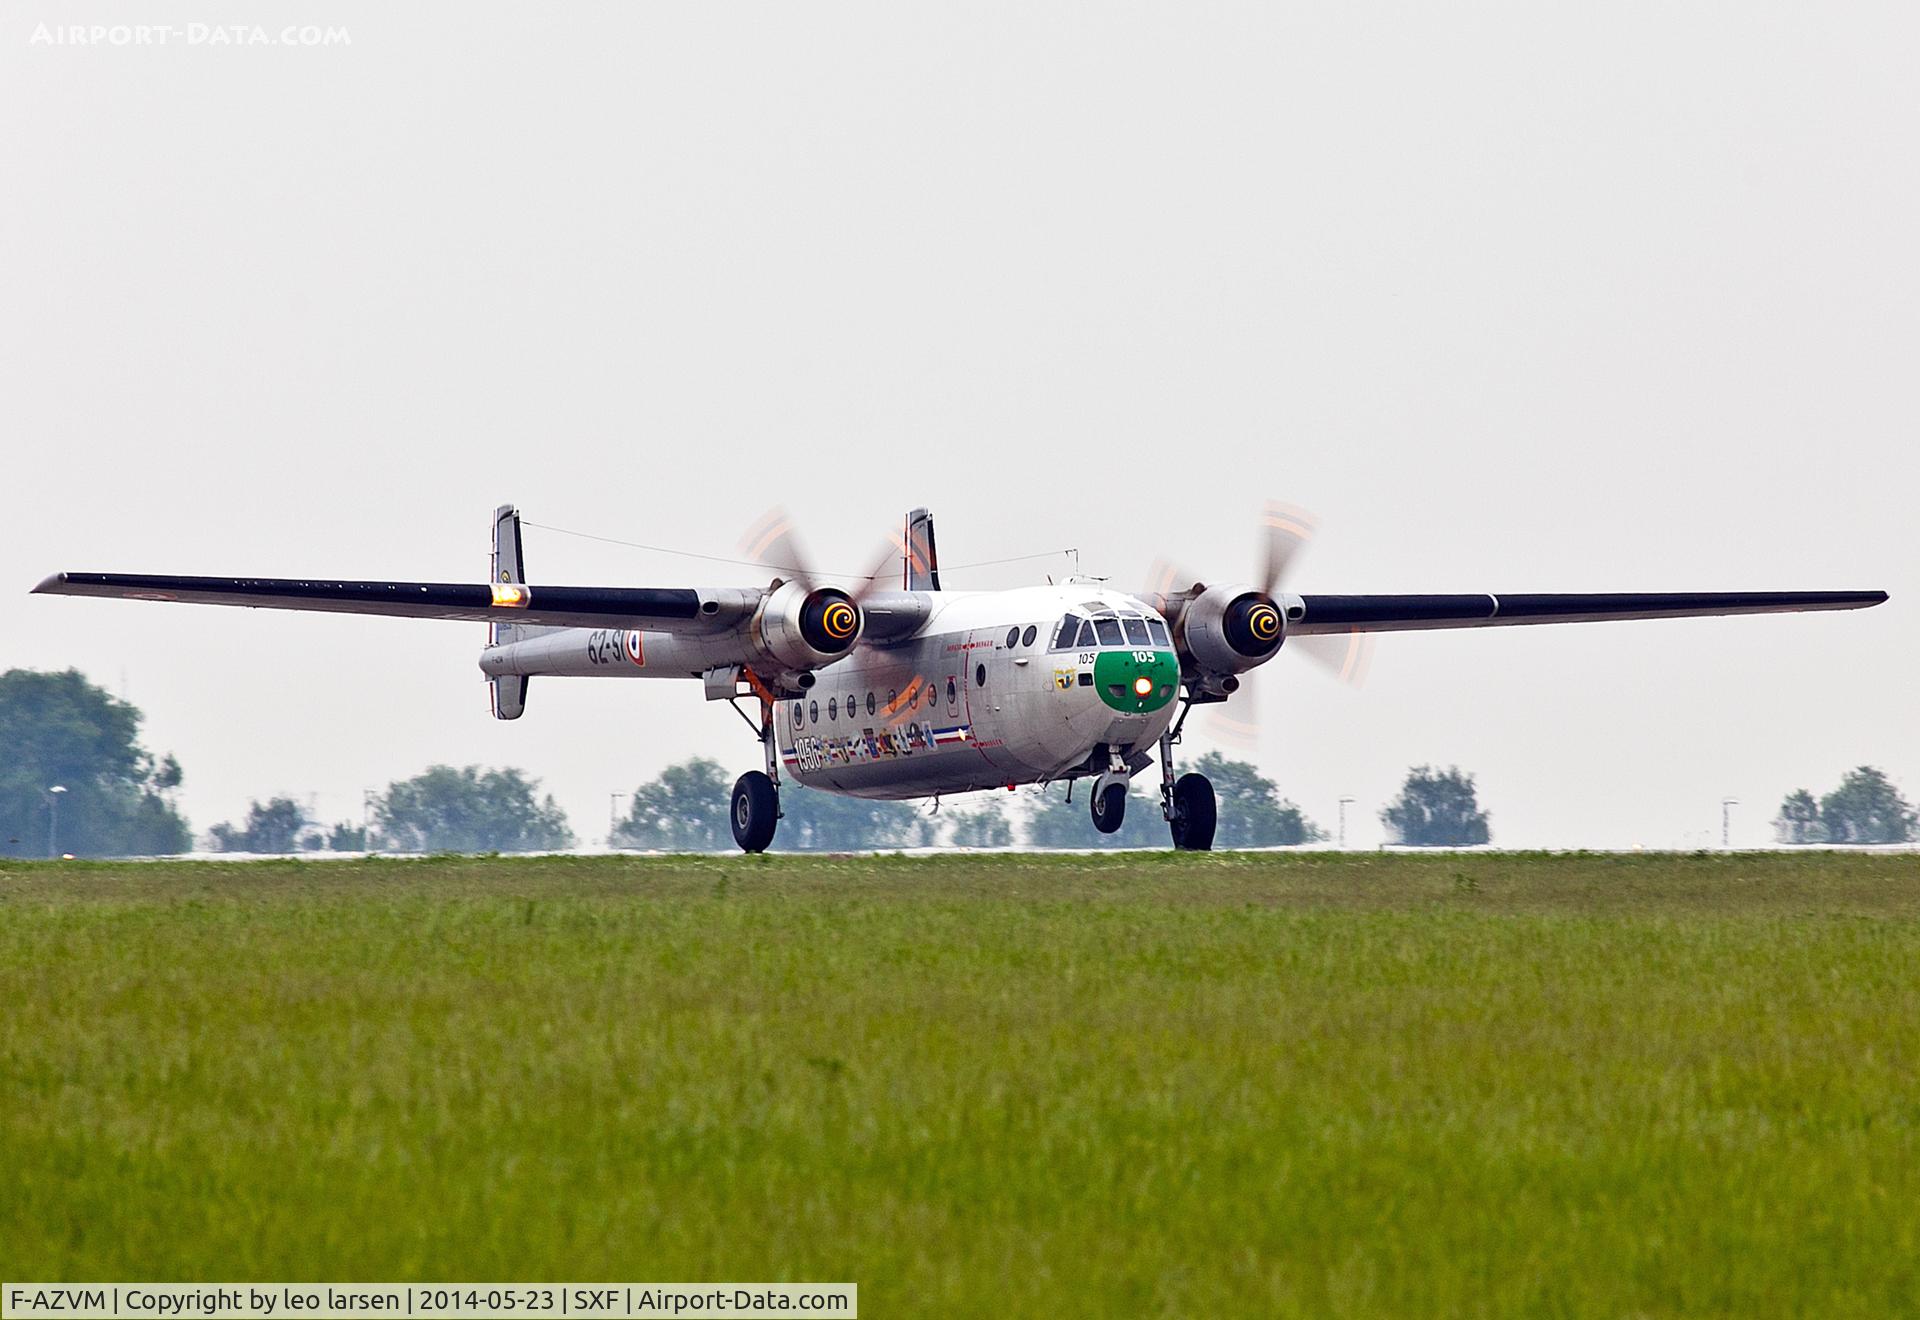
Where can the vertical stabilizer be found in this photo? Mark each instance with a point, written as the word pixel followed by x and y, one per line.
pixel 923 561
pixel 509 691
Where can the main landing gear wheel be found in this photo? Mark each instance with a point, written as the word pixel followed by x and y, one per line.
pixel 756 811
pixel 1194 814
pixel 1109 807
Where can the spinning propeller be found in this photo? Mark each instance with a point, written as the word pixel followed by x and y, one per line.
pixel 1254 618
pixel 831 619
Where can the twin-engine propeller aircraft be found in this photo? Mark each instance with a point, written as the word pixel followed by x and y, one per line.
pixel 921 692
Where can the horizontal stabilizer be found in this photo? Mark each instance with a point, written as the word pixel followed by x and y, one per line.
pixel 1329 614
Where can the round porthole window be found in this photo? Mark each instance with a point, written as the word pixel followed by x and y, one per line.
pixel 979 675
pixel 813 711
pixel 1026 638
pixel 1013 637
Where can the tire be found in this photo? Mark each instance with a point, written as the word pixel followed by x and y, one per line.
pixel 1109 807
pixel 1195 814
pixel 756 811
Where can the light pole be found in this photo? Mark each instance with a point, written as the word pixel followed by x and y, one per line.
pixel 1343 821
pixel 53 820
pixel 1726 821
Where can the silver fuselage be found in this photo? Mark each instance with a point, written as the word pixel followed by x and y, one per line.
pixel 951 708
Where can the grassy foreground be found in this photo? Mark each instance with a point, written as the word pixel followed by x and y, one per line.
pixel 995 1085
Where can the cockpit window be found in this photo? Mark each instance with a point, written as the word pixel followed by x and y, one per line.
pixel 1159 631
pixel 1109 630
pixel 1137 632
pixel 1064 634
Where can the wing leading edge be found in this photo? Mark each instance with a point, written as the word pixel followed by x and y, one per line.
pixel 665 609
pixel 1338 614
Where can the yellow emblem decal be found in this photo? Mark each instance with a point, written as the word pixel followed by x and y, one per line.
pixel 1063 679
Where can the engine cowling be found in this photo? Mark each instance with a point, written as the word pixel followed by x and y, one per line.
pixel 1230 629
pixel 797 630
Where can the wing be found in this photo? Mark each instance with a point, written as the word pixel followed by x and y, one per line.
pixel 656 608
pixel 1338 614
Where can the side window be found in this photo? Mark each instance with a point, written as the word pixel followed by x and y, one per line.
pixel 979 675
pixel 893 700
pixel 833 708
pixel 1109 630
pixel 1064 632
pixel 813 711
pixel 1137 632
pixel 933 693
pixel 952 695
pixel 853 706
pixel 799 715
pixel 869 703
pixel 1026 638
pixel 1013 637
pixel 1086 639
pixel 1159 631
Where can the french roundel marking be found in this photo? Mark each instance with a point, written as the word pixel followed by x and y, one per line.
pixel 636 652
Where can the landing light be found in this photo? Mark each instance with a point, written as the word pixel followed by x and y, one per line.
pixel 1142 686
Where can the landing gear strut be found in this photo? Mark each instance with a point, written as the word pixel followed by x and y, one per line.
pixel 1186 802
pixel 1109 797
pixel 755 810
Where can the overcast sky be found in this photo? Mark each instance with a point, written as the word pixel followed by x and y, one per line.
pixel 1515 297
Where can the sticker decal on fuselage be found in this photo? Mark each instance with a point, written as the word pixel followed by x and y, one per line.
pixel 612 646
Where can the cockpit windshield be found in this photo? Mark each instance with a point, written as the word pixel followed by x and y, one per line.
pixel 1108 627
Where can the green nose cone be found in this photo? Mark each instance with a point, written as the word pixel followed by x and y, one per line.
pixel 1116 675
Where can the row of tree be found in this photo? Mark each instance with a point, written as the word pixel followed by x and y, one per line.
pixel 685 810
pixel 74 778
pixel 443 810
pixel 1865 808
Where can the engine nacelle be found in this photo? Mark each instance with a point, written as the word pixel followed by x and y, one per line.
pixel 797 630
pixel 1226 630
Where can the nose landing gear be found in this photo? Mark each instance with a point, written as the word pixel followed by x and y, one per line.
pixel 1109 803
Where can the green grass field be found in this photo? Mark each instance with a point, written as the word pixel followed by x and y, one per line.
pixel 1236 1084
